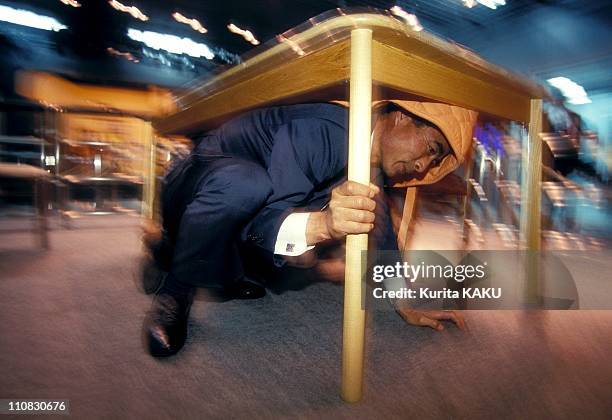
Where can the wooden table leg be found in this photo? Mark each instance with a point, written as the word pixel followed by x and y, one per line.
pixel 357 245
pixel 530 201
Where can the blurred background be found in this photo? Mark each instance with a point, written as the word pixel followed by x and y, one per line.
pixel 80 82
pixel 80 164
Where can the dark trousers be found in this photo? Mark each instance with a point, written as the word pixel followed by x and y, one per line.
pixel 206 203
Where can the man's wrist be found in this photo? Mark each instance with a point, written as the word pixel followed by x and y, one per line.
pixel 316 228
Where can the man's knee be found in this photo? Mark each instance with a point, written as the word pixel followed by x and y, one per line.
pixel 244 185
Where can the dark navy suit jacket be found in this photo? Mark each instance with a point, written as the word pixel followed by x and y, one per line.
pixel 304 149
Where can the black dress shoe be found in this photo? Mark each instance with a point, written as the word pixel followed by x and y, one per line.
pixel 165 326
pixel 244 289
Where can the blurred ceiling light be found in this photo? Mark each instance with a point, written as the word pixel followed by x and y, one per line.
pixel 128 56
pixel 410 18
pixel 247 35
pixel 171 43
pixel 194 23
pixel 132 10
pixel 31 19
pixel 492 4
pixel 573 92
pixel 72 3
pixel 469 3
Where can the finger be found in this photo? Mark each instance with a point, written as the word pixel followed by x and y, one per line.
pixel 350 188
pixel 355 202
pixel 461 322
pixel 374 190
pixel 450 316
pixel 352 215
pixel 456 317
pixel 429 322
pixel 354 228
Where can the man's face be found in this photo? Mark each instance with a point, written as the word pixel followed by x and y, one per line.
pixel 410 147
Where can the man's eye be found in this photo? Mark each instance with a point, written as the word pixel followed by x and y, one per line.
pixel 431 150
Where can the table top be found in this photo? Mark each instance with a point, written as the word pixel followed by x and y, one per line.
pixel 312 62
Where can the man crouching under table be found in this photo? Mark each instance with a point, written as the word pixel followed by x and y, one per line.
pixel 275 178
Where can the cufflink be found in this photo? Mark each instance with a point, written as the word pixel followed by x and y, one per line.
pixel 255 238
pixel 289 247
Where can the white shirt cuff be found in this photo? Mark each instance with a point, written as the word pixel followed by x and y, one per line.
pixel 291 239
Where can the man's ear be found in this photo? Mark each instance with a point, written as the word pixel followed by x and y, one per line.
pixel 398 116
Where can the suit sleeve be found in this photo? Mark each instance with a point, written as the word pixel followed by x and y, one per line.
pixel 306 154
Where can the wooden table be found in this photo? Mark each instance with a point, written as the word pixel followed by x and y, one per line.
pixel 380 57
